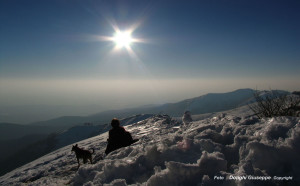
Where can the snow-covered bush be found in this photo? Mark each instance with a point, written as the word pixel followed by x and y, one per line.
pixel 274 103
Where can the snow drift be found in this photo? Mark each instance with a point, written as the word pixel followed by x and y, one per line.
pixel 222 150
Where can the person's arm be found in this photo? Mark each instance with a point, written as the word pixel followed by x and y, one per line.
pixel 109 136
pixel 123 129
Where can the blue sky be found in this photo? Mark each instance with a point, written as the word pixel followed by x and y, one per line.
pixel 49 54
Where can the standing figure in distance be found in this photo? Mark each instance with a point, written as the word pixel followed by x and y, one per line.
pixel 186 118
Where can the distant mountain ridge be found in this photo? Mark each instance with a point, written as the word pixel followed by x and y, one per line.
pixel 212 102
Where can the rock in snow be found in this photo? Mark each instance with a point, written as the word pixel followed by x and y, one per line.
pixel 222 150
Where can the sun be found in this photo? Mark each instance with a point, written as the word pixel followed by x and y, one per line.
pixel 122 39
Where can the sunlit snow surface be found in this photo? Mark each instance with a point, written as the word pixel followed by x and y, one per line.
pixel 170 154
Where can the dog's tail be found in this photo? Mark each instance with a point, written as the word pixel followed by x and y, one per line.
pixel 93 150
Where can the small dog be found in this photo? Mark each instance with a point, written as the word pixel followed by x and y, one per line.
pixel 82 154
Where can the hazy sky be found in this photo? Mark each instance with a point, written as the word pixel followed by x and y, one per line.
pixel 51 52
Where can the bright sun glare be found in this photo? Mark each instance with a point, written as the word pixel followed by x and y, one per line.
pixel 122 39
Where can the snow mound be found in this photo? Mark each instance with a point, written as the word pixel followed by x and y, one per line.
pixel 222 150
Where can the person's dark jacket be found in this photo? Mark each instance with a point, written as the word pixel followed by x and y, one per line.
pixel 118 137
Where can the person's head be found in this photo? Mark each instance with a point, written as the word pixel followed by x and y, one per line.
pixel 115 123
pixel 187 112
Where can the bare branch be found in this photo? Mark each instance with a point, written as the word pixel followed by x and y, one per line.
pixel 273 103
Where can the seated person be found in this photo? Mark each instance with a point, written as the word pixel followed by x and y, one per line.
pixel 118 137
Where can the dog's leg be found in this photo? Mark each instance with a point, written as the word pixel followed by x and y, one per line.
pixel 78 163
pixel 91 160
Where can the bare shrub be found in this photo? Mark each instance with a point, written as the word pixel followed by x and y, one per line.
pixel 274 103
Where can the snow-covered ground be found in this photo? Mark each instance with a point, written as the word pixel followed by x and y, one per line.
pixel 224 149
